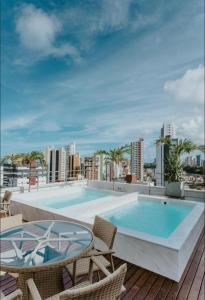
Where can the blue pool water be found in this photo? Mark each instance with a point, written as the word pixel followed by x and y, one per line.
pixel 83 195
pixel 150 216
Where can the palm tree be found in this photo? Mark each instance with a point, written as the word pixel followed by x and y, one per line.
pixel 173 166
pixel 184 146
pixel 30 160
pixel 16 159
pixel 164 140
pixel 115 157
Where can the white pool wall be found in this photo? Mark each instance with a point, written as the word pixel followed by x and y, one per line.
pixel 167 257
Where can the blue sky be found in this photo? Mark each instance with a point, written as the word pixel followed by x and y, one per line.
pixel 100 73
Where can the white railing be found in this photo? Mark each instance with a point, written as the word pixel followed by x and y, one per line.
pixel 36 179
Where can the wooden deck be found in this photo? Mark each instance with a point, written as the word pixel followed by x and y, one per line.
pixel 142 284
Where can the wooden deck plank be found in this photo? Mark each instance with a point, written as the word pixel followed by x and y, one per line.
pixel 187 283
pixel 146 287
pixel 165 288
pixel 202 290
pixel 131 282
pixel 195 289
pixel 172 295
pixel 130 272
pixel 137 285
pixel 155 288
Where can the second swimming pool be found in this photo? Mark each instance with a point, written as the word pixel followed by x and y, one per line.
pixel 81 195
pixel 152 216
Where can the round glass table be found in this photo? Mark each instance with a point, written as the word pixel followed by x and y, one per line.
pixel 40 250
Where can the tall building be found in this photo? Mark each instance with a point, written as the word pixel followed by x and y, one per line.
pixel 137 159
pixel 168 129
pixel 198 161
pixel 56 162
pixel 191 161
pixel 101 166
pixel 74 166
pixel 1 176
pixel 70 150
pixel 162 152
pixel 109 175
pixel 91 168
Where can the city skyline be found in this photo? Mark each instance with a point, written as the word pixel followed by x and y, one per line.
pixel 111 75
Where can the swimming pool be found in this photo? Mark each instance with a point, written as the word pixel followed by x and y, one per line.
pixel 158 218
pixel 150 234
pixel 78 196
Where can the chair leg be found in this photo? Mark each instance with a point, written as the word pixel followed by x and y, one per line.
pixel 98 273
pixel 112 263
pixel 90 274
pixel 9 212
pixel 74 273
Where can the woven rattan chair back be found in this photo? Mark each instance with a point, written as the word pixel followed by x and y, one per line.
pixel 108 288
pixel 105 231
pixel 7 197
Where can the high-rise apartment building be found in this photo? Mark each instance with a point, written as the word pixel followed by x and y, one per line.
pixel 190 161
pixel 168 129
pixel 162 152
pixel 198 161
pixel 91 168
pixel 74 166
pixel 95 167
pixel 137 159
pixel 56 162
pixel 1 176
pixel 109 174
pixel 101 166
pixel 70 150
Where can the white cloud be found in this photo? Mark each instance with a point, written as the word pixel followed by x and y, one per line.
pixel 38 32
pixel 192 128
pixel 188 88
pixel 19 122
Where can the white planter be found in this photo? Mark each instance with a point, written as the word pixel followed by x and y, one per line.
pixel 175 189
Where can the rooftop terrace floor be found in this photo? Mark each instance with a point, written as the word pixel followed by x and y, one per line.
pixel 142 284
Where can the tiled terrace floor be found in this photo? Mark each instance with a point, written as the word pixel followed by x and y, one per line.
pixel 142 284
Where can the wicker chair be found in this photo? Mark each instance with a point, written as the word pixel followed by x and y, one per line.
pixel 109 288
pixel 5 203
pixel 104 233
pixel 16 295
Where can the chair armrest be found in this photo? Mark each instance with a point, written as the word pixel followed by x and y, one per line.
pixel 104 270
pixel 99 253
pixel 33 291
pixel 16 295
pixel 100 266
pixel 4 204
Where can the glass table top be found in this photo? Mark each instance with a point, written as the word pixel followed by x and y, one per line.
pixel 43 242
